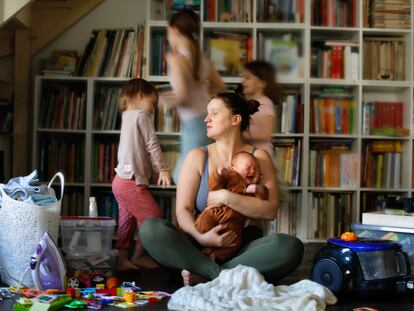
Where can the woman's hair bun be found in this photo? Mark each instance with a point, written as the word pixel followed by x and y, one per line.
pixel 253 106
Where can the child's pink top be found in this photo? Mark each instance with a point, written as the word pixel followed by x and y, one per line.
pixel 138 148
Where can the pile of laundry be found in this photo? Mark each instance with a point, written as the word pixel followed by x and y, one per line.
pixel 27 189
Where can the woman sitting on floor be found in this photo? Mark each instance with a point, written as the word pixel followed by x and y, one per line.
pixel 274 256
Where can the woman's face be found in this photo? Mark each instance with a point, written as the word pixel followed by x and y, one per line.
pixel 219 118
pixel 251 84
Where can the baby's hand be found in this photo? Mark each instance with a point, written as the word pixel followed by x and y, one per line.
pixel 259 190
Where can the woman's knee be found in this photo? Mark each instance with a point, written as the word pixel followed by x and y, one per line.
pixel 151 228
pixel 293 247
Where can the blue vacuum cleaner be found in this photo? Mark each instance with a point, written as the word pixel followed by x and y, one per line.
pixel 365 267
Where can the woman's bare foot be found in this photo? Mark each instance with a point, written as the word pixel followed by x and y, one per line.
pixel 191 279
pixel 125 265
pixel 144 261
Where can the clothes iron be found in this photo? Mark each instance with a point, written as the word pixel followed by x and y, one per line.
pixel 47 265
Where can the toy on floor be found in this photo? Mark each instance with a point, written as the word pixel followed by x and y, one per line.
pixel 365 267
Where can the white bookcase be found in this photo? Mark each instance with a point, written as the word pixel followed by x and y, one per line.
pixel 362 91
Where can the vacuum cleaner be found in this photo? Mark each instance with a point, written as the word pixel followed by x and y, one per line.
pixel 365 267
pixel 47 265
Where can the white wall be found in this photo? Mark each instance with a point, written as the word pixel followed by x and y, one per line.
pixel 110 14
pixel 9 7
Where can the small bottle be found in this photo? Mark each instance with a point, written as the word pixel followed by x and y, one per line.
pixel 93 209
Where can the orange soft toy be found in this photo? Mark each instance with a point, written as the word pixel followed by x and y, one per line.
pixel 349 236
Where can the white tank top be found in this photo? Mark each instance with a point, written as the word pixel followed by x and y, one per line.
pixel 198 90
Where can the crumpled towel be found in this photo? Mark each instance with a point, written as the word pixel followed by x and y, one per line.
pixel 244 288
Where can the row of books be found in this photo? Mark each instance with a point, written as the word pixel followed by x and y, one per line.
pixel 334 13
pixel 332 115
pixel 368 201
pixel 107 204
pixel 228 11
pixel 330 215
pixel 289 114
pixel 159 49
pixel 106 116
pixel 287 159
pixel 382 164
pixel 73 203
pixel 334 60
pixel 104 162
pixel 63 107
pixel 287 213
pixel 167 206
pixel 384 58
pixel 113 53
pixel 387 13
pixel 285 11
pixel 332 164
pixel 383 118
pixel 57 155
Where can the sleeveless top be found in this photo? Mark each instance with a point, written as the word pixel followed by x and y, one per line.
pixel 198 90
pixel 202 193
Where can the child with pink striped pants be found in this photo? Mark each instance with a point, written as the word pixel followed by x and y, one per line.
pixel 138 151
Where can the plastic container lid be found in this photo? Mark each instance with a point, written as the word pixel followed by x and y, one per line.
pixel 86 221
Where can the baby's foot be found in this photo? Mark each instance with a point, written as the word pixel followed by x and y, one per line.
pixel 126 265
pixel 145 261
pixel 191 279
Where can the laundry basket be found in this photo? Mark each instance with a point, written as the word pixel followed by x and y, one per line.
pixel 22 225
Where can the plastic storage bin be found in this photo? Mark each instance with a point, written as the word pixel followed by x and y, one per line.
pixel 86 236
pixel 404 236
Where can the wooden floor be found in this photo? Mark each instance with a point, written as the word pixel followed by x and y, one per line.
pixel 158 279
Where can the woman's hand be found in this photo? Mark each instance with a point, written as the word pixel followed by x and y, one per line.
pixel 214 237
pixel 164 178
pixel 217 198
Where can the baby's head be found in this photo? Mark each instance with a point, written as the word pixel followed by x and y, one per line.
pixel 247 166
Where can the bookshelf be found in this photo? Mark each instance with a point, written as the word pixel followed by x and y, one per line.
pixel 336 107
pixel 76 130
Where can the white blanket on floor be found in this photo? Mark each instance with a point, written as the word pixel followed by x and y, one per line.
pixel 244 288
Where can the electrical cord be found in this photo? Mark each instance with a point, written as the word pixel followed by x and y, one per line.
pixel 21 284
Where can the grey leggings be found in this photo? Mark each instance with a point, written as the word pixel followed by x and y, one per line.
pixel 274 256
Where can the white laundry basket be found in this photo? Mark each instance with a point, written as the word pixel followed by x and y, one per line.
pixel 22 225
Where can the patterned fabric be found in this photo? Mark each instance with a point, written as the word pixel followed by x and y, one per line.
pixel 135 205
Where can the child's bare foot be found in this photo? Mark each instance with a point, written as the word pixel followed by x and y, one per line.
pixel 191 279
pixel 126 265
pixel 145 261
